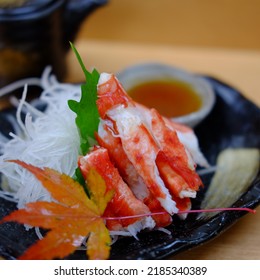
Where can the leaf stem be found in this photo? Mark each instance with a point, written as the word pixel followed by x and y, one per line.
pixel 181 212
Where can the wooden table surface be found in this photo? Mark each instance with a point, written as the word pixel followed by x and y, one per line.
pixel 240 69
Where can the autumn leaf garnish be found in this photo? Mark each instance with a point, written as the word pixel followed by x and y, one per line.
pixel 71 219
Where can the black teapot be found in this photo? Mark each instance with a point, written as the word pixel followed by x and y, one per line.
pixel 36 33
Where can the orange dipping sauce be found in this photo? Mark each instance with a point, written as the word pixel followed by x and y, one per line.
pixel 170 98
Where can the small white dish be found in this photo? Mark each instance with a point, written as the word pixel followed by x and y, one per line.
pixel 142 73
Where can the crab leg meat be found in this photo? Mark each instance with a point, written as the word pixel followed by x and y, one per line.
pixel 129 174
pixel 123 203
pixel 152 153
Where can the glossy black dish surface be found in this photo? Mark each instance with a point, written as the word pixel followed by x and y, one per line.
pixel 234 122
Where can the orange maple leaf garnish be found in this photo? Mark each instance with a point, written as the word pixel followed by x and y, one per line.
pixel 71 219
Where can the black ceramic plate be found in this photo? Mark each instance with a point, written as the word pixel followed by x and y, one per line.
pixel 234 122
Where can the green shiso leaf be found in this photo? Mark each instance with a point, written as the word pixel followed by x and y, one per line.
pixel 87 118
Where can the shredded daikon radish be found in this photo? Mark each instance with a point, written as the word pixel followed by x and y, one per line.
pixel 44 139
